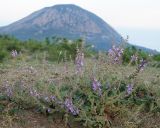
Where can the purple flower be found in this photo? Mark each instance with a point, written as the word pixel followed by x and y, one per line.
pixel 142 65
pixel 14 53
pixel 96 86
pixel 115 54
pixel 70 107
pixel 53 98
pixel 49 110
pixel 129 89
pixel 34 93
pixel 134 58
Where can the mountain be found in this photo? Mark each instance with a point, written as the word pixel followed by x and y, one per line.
pixel 64 20
pixel 148 50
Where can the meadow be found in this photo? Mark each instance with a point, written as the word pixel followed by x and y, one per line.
pixel 80 89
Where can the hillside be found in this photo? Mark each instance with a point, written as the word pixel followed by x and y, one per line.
pixel 68 21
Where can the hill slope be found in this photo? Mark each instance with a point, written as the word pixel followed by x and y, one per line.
pixel 68 21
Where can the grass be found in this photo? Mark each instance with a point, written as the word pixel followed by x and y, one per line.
pixel 112 109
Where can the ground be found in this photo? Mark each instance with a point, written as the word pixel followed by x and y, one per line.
pixel 28 74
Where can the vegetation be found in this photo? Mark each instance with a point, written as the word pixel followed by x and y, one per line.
pixel 129 51
pixel 52 49
pixel 156 57
pixel 96 91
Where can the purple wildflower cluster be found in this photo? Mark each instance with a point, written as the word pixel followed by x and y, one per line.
pixel 115 54
pixel 96 86
pixel 79 61
pixel 142 65
pixel 34 93
pixel 134 58
pixel 14 53
pixel 67 104
pixel 52 99
pixel 129 89
pixel 70 107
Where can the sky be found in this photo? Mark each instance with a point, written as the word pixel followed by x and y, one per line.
pixel 140 19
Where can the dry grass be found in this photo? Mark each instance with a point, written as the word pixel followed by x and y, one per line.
pixel 29 74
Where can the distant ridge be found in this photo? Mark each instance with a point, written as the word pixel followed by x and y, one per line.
pixel 68 21
pixel 65 20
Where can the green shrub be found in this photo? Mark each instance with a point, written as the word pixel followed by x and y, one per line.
pixel 55 50
pixel 129 51
pixel 3 55
pixel 156 57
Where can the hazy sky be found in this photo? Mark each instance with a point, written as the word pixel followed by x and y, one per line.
pixel 140 19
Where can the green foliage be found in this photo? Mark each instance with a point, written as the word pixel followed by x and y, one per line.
pixel 3 55
pixel 32 89
pixel 156 57
pixel 55 49
pixel 129 51
pixel 45 87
